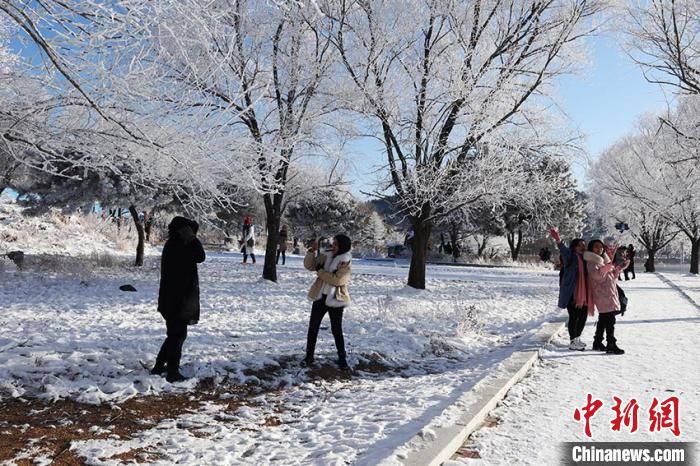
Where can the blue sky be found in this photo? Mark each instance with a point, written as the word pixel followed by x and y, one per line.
pixel 605 101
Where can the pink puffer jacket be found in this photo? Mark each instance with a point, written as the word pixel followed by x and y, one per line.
pixel 602 279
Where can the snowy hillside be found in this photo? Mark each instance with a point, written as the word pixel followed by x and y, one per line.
pixel 56 233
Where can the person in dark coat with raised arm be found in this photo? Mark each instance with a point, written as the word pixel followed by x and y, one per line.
pixel 573 287
pixel 178 296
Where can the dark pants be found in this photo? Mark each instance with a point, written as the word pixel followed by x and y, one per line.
pixel 606 324
pixel 577 319
pixel 245 255
pixel 171 350
pixel 283 254
pixel 318 310
pixel 629 270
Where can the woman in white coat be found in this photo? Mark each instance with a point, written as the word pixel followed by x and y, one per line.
pixel 248 240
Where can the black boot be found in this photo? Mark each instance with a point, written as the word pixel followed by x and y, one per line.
pixel 343 364
pixel 598 345
pixel 614 349
pixel 159 368
pixel 308 361
pixel 175 377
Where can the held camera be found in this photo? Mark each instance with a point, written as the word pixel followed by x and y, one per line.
pixel 621 256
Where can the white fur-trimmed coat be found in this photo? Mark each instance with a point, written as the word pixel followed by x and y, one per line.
pixel 332 277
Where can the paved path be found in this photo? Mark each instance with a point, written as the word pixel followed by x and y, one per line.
pixel 661 335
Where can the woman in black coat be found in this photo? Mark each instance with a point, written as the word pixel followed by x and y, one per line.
pixel 178 296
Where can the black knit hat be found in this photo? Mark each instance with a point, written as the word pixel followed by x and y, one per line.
pixel 344 244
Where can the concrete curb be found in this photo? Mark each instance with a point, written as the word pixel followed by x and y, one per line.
pixel 481 400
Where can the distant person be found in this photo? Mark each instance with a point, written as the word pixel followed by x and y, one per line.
pixel 573 287
pixel 448 248
pixel 541 254
pixel 546 255
pixel 248 240
pixel 282 244
pixel 329 294
pixel 619 256
pixel 630 268
pixel 602 274
pixel 178 295
pixel 647 265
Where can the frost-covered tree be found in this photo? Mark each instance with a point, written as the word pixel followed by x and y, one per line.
pixel 663 37
pixel 255 75
pixel 324 212
pixel 655 169
pixel 439 79
pixel 104 111
pixel 649 228
pixel 547 198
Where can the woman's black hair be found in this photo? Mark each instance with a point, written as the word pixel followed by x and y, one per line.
pixel 592 242
pixel 574 242
pixel 344 244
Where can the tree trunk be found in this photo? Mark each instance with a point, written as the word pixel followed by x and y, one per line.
pixel 419 248
pixel 694 255
pixel 273 211
pixel 119 220
pixel 650 265
pixel 139 229
pixel 514 244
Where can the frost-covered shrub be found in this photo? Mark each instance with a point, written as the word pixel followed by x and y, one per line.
pixel 470 322
pixel 105 260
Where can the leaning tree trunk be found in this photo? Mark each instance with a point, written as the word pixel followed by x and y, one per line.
pixel 514 244
pixel 694 255
pixel 419 248
pixel 273 210
pixel 139 229
pixel 650 264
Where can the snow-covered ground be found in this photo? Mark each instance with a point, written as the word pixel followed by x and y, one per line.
pixel 67 332
pixel 660 335
pixel 74 334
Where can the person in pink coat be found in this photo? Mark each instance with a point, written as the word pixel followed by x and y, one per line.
pixel 602 276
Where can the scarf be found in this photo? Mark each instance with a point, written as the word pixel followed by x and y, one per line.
pixel 597 261
pixel 580 298
pixel 331 265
